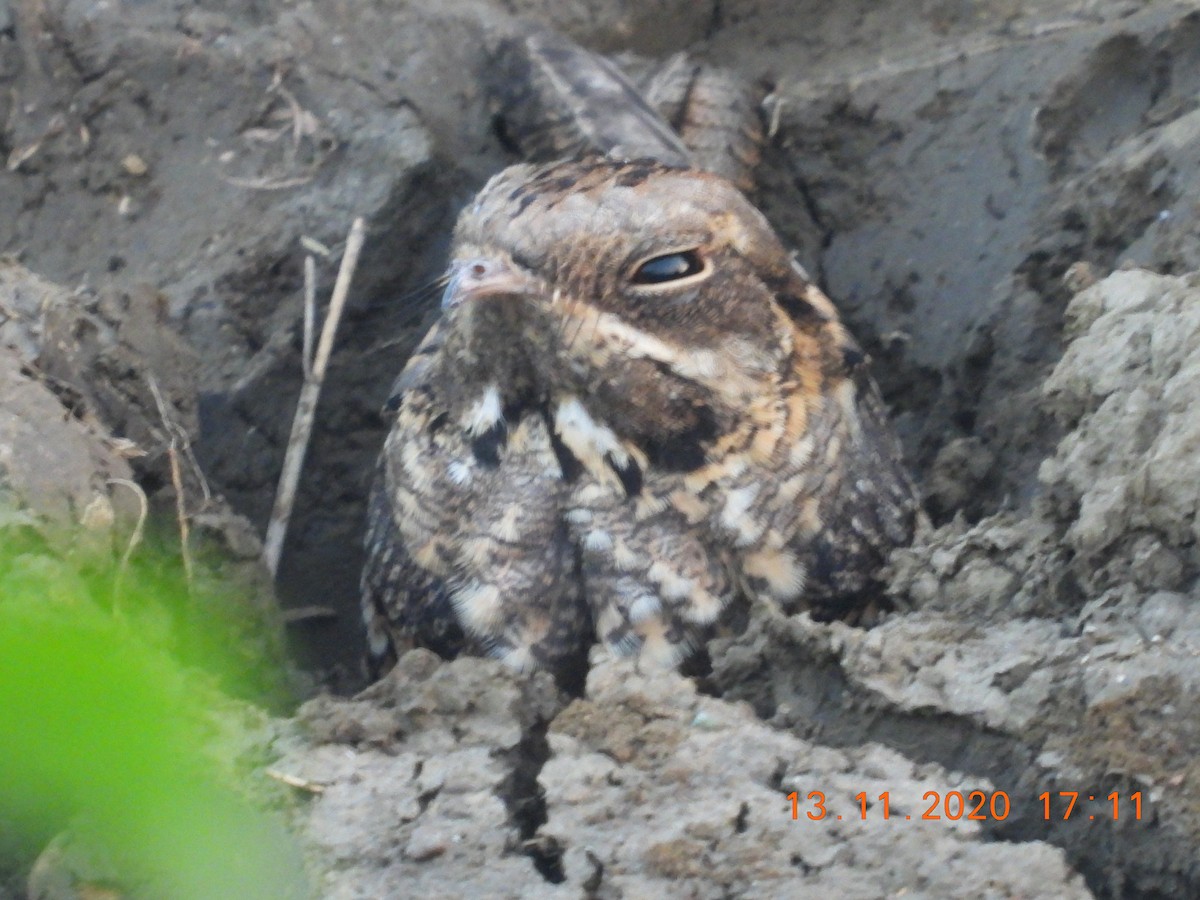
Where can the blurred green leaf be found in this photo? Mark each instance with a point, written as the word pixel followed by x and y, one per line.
pixel 99 724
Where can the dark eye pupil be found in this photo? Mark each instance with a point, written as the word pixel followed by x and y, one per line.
pixel 670 267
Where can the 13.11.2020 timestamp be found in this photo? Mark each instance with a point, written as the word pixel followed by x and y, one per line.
pixel 977 806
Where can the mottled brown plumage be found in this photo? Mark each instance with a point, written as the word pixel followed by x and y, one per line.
pixel 635 412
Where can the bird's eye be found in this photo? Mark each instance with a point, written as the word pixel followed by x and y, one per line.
pixel 669 267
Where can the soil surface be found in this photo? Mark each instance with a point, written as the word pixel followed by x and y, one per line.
pixel 1001 197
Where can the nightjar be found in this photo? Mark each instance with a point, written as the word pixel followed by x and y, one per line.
pixel 635 412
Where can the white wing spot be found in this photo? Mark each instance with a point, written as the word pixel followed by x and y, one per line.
pixel 698 364
pixel 459 472
pixel 648 505
pixel 780 569
pixel 625 558
pixel 479 606
pixel 598 541
pixel 847 396
pixel 673 585
pixel 581 517
pixel 377 641
pixel 802 450
pixel 643 607
pixel 704 608
pixel 476 552
pixel 586 438
pixel 735 516
pixel 487 411
pixel 508 527
pixel 518 658
pixel 657 649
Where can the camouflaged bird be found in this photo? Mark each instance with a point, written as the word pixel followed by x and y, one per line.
pixel 635 411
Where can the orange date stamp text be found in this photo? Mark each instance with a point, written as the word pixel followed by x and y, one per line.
pixel 973 806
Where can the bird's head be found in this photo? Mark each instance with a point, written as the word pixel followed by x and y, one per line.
pixel 658 292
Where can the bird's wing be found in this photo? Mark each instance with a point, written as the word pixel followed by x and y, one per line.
pixel 558 100
pixel 466 547
pixel 403 604
pixel 873 506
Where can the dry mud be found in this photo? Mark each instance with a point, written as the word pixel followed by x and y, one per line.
pixel 1001 198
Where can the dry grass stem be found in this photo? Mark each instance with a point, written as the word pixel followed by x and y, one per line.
pixel 303 784
pixel 135 539
pixel 174 433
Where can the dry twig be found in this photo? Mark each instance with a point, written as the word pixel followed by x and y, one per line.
pixel 302 124
pixel 308 613
pixel 310 313
pixel 306 408
pixel 269 184
pixel 181 514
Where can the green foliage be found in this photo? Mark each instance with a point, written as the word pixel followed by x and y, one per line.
pixel 101 726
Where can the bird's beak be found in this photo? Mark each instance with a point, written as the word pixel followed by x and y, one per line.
pixel 483 276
